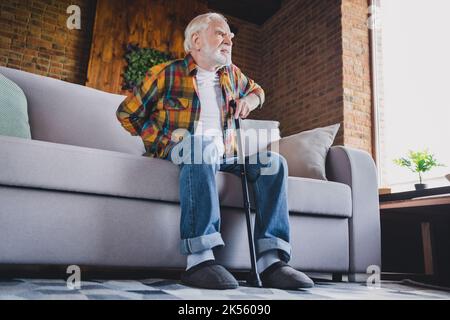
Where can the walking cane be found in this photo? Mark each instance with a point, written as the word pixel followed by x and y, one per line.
pixel 253 279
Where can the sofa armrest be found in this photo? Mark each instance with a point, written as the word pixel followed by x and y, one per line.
pixel 357 169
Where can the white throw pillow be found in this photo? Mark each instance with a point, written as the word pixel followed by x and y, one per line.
pixel 259 134
pixel 306 151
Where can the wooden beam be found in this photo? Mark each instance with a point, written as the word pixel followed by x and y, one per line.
pixel 427 248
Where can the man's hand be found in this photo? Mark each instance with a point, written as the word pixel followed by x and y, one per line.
pixel 246 105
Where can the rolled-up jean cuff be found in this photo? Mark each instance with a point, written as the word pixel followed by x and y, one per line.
pixel 198 244
pixel 266 244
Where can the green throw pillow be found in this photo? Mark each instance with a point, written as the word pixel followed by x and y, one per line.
pixel 13 110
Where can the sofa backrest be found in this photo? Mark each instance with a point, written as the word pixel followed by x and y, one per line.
pixel 67 113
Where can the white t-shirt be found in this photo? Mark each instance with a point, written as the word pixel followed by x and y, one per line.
pixel 210 95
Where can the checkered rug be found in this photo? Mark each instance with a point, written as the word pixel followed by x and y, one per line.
pixel 50 289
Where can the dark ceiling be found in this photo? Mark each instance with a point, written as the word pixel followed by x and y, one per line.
pixel 255 11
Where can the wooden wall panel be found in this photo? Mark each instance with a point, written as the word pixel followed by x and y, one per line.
pixel 157 24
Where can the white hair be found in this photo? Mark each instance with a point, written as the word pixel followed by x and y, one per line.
pixel 198 24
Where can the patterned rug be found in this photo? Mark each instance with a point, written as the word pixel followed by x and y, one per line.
pixel 51 289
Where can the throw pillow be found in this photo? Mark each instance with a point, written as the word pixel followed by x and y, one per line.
pixel 13 110
pixel 306 151
pixel 259 134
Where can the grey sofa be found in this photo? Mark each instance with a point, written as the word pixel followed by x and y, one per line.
pixel 80 192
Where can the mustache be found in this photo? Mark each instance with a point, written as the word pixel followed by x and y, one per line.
pixel 225 47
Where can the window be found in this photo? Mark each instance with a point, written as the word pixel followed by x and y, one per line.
pixel 413 61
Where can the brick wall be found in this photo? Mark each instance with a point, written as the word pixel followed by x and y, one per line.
pixel 302 62
pixel 34 38
pixel 356 75
pixel 246 47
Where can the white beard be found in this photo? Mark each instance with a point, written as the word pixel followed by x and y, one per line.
pixel 218 57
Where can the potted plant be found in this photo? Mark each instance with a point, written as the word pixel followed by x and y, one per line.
pixel 419 162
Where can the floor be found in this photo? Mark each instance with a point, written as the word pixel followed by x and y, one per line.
pixel 170 289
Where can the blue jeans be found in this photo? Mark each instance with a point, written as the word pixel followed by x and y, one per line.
pixel 200 209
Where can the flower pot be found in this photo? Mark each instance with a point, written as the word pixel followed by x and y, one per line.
pixel 420 186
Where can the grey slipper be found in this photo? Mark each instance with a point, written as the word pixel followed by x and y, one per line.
pixel 209 275
pixel 280 275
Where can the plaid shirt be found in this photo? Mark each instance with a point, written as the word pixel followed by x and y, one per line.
pixel 168 100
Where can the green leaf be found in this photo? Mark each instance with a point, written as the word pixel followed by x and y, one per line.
pixel 423 161
pixel 140 60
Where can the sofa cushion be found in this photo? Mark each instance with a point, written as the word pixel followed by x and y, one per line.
pixel 46 165
pixel 13 110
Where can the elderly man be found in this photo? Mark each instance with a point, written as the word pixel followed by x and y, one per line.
pixel 193 95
